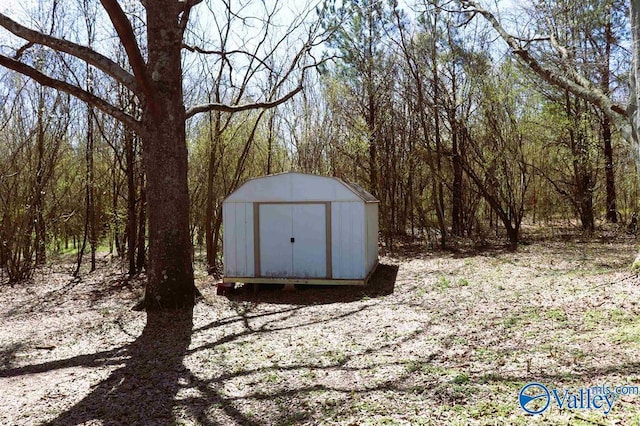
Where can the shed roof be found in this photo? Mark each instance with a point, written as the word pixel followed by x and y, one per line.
pixel 297 187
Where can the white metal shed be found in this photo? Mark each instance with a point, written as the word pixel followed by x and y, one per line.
pixel 297 228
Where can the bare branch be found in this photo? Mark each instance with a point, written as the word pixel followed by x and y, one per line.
pixel 81 52
pixel 223 54
pixel 576 84
pixel 23 49
pixel 128 39
pixel 242 107
pixel 528 40
pixel 75 91
pixel 184 19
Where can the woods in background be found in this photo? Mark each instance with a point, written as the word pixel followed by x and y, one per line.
pixel 419 104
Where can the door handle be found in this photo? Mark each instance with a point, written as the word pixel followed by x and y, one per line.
pixel 293 240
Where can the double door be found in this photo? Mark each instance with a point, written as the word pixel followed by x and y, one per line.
pixel 293 240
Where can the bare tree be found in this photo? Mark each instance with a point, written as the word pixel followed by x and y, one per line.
pixel 155 76
pixel 569 78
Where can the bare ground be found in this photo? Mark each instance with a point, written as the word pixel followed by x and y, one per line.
pixel 436 338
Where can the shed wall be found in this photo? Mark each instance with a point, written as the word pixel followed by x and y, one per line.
pixel 238 239
pixel 371 211
pixel 348 240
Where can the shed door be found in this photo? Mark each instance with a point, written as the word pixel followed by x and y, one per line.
pixel 293 240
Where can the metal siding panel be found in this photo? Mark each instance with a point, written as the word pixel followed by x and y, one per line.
pixel 372 234
pixel 359 239
pixel 336 239
pixel 229 239
pixel 225 238
pixel 348 238
pixel 248 242
pixel 276 253
pixel 237 239
pixel 353 241
pixel 241 238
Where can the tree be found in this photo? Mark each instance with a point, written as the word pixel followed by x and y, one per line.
pixel 359 27
pixel 157 82
pixel 34 126
pixel 590 31
pixel 421 61
pixel 570 78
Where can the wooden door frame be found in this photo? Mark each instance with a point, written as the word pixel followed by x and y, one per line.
pixel 256 234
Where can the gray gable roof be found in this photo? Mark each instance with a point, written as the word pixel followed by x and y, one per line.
pixel 294 186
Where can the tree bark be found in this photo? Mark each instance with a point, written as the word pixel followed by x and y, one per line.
pixel 115 174
pixel 582 168
pixel 141 257
pixel 170 273
pixel 612 215
pixel 438 186
pixel 39 190
pixel 131 201
pixel 214 139
pixel 156 82
pixel 91 190
pixel 457 223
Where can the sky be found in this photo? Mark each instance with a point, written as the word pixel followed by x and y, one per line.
pixel 243 37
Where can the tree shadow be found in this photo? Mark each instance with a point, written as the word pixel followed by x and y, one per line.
pixel 142 391
pixel 381 283
pixel 8 354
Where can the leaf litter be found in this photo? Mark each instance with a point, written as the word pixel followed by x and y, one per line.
pixel 436 338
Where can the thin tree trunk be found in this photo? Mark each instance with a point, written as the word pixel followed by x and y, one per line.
pixel 612 215
pixel 91 206
pixel 457 225
pixel 85 234
pixel 91 191
pixel 214 138
pixel 141 258
pixel 270 142
pixel 438 186
pixel 116 195
pixel 216 235
pixel 581 166
pixel 371 110
pixel 131 201
pixel 40 230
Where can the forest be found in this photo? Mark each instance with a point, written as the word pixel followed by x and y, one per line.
pixel 421 106
pixel 483 128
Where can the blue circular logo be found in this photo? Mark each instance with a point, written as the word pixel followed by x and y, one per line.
pixel 534 398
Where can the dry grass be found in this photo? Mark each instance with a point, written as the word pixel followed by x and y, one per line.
pixel 438 338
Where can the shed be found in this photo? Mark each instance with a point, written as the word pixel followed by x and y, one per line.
pixel 297 228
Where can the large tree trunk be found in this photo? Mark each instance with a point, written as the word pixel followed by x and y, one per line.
pixel 170 273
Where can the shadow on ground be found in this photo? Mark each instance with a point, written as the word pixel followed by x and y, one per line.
pixel 152 363
pixel 382 283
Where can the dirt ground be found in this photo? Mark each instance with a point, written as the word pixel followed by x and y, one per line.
pixel 436 338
